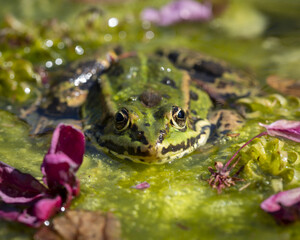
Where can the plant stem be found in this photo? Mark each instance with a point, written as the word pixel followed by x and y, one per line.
pixel 244 145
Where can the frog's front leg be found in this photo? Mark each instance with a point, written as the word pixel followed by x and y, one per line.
pixel 224 121
pixel 66 92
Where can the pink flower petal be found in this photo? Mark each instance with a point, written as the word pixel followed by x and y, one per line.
pixel 64 157
pixel 47 207
pixel 283 206
pixel 70 141
pixel 284 128
pixel 18 187
pixel 26 200
pixel 178 11
pixel 58 170
pixel 33 214
pixel 141 186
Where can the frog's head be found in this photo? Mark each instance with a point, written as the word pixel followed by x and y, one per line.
pixel 151 130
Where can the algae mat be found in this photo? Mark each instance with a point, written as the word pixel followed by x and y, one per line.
pixel 179 204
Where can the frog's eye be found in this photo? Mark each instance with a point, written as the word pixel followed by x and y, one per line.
pixel 178 117
pixel 122 119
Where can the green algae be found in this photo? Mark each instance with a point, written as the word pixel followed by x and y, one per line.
pixel 179 204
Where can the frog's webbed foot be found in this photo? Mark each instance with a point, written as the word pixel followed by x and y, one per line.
pixel 224 121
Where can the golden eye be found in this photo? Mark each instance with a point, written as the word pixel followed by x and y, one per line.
pixel 122 119
pixel 178 117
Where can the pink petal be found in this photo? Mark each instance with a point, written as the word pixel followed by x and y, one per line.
pixel 151 15
pixel 26 200
pixel 64 157
pixel 47 207
pixel 18 187
pixel 284 128
pixel 141 186
pixel 58 169
pixel 284 206
pixel 32 214
pixel 70 141
pixel 177 11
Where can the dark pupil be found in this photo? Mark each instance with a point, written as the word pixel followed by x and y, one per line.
pixel 180 114
pixel 119 117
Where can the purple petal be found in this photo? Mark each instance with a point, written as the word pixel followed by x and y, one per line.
pixel 284 128
pixel 177 11
pixel 20 216
pixel 283 206
pixel 64 156
pixel 151 15
pixel 34 214
pixel 18 187
pixel 25 199
pixel 141 186
pixel 70 141
pixel 47 207
pixel 59 169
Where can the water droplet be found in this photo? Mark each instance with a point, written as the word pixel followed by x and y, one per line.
pixel 47 223
pixel 49 64
pixel 169 70
pixel 162 68
pixel 11 75
pixel 27 90
pixel 122 34
pixel 146 24
pixel 62 209
pixel 60 45
pixel 113 22
pixel 26 49
pixel 49 43
pixel 79 50
pixel 8 64
pixel 58 61
pixel 149 35
pixel 107 37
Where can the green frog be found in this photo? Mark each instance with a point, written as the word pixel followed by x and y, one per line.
pixel 145 108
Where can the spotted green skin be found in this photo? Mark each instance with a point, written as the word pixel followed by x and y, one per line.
pixel 151 138
pixel 149 88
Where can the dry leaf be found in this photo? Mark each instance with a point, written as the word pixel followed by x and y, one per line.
pixel 284 85
pixel 82 225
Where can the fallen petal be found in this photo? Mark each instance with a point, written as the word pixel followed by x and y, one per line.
pixel 26 200
pixel 283 206
pixel 33 214
pixel 59 169
pixel 284 128
pixel 178 11
pixel 47 207
pixel 18 187
pixel 141 186
pixel 70 141
pixel 64 157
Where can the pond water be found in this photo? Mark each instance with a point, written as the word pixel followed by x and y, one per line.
pixel 262 39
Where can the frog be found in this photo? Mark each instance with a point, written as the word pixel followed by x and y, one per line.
pixel 147 108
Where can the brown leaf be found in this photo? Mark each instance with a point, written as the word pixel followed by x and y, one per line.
pixel 284 85
pixel 82 225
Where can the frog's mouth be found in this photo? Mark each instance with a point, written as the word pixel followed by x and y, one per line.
pixel 160 152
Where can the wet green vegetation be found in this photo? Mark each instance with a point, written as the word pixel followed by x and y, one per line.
pixel 179 203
